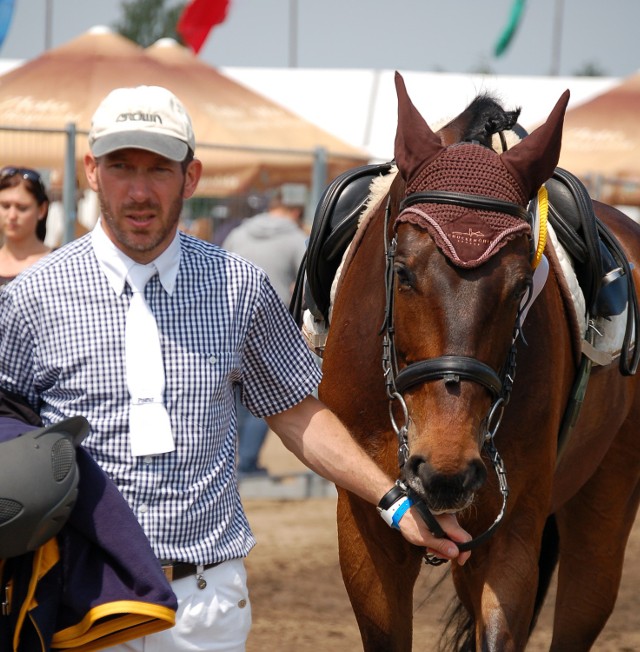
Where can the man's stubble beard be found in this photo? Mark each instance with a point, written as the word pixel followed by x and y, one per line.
pixel 123 238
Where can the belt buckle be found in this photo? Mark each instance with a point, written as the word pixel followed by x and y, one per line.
pixel 167 569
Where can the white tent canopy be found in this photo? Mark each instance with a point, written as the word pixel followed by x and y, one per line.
pixel 359 106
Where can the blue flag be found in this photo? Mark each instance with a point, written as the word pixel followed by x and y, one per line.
pixel 6 13
pixel 509 31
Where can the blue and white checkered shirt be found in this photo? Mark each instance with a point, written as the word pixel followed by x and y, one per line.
pixel 62 348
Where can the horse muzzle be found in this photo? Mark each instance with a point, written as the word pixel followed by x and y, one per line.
pixel 444 492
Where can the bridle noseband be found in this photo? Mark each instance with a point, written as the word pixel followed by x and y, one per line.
pixel 449 368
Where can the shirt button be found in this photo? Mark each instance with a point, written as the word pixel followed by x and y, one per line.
pixel 213 359
pixel 143 509
pixel 242 603
pixel 147 459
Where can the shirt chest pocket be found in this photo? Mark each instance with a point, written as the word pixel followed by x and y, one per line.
pixel 202 385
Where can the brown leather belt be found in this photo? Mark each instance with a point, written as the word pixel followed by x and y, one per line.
pixel 177 570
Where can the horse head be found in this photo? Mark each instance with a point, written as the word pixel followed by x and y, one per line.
pixel 462 269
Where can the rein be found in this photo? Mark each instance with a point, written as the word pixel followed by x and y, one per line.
pixel 449 368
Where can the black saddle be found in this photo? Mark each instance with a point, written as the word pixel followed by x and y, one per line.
pixel 601 267
pixel 334 224
pixel 604 275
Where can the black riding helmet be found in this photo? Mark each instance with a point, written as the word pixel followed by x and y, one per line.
pixel 38 484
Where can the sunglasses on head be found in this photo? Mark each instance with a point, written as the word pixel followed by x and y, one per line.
pixel 25 173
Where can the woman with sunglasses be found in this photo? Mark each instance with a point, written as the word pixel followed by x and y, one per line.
pixel 24 205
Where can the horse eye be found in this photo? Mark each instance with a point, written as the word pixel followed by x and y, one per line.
pixel 521 288
pixel 405 276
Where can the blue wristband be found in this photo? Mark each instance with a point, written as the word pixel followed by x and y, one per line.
pixel 400 512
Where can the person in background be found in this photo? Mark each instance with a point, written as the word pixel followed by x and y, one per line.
pixel 86 208
pixel 275 242
pixel 24 206
pixel 200 227
pixel 67 347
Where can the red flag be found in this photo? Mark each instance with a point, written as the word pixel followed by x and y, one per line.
pixel 197 20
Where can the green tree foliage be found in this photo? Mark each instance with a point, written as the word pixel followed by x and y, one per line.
pixel 590 69
pixel 146 21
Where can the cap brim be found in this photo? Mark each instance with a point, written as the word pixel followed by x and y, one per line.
pixel 167 146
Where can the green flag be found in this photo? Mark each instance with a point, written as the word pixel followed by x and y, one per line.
pixel 509 31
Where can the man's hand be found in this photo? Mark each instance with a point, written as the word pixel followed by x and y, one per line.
pixel 415 531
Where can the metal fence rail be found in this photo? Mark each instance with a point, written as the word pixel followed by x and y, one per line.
pixel 58 153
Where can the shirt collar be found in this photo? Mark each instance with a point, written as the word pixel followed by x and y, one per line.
pixel 115 264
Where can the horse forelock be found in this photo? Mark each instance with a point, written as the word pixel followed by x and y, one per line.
pixel 482 121
pixel 468 237
pixel 511 138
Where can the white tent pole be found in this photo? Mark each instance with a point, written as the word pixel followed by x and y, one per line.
pixel 373 98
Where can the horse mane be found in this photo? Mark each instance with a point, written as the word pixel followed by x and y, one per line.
pixel 489 118
pixel 484 117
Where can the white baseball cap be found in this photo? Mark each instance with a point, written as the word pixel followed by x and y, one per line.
pixel 145 117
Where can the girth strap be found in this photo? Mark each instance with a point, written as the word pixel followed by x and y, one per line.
pixel 449 367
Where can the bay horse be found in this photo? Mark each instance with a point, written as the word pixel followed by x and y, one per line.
pixel 420 360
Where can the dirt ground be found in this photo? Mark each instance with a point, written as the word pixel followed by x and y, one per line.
pixel 300 603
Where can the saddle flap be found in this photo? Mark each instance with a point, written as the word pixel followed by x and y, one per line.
pixel 334 224
pixel 588 242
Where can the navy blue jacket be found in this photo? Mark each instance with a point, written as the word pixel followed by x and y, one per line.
pixel 98 581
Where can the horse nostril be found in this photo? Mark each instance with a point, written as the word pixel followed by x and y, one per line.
pixel 475 476
pixel 418 467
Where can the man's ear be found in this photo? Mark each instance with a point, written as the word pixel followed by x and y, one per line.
pixel 192 177
pixel 91 171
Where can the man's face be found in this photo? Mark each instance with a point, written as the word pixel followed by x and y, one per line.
pixel 141 196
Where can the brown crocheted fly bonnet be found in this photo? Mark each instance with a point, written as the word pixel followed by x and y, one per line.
pixel 470 236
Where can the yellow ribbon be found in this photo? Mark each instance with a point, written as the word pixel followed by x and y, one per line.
pixel 543 207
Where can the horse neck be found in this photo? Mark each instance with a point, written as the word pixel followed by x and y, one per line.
pixel 354 343
pixel 363 275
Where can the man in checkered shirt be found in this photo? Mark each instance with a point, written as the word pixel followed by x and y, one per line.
pixel 221 324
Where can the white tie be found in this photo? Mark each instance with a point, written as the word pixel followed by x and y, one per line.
pixel 149 424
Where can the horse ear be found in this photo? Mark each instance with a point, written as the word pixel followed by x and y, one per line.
pixel 533 160
pixel 416 144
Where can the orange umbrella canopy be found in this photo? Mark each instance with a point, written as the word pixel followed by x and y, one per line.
pixel 243 139
pixel 602 136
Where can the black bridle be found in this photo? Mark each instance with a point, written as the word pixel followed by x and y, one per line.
pixel 449 368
